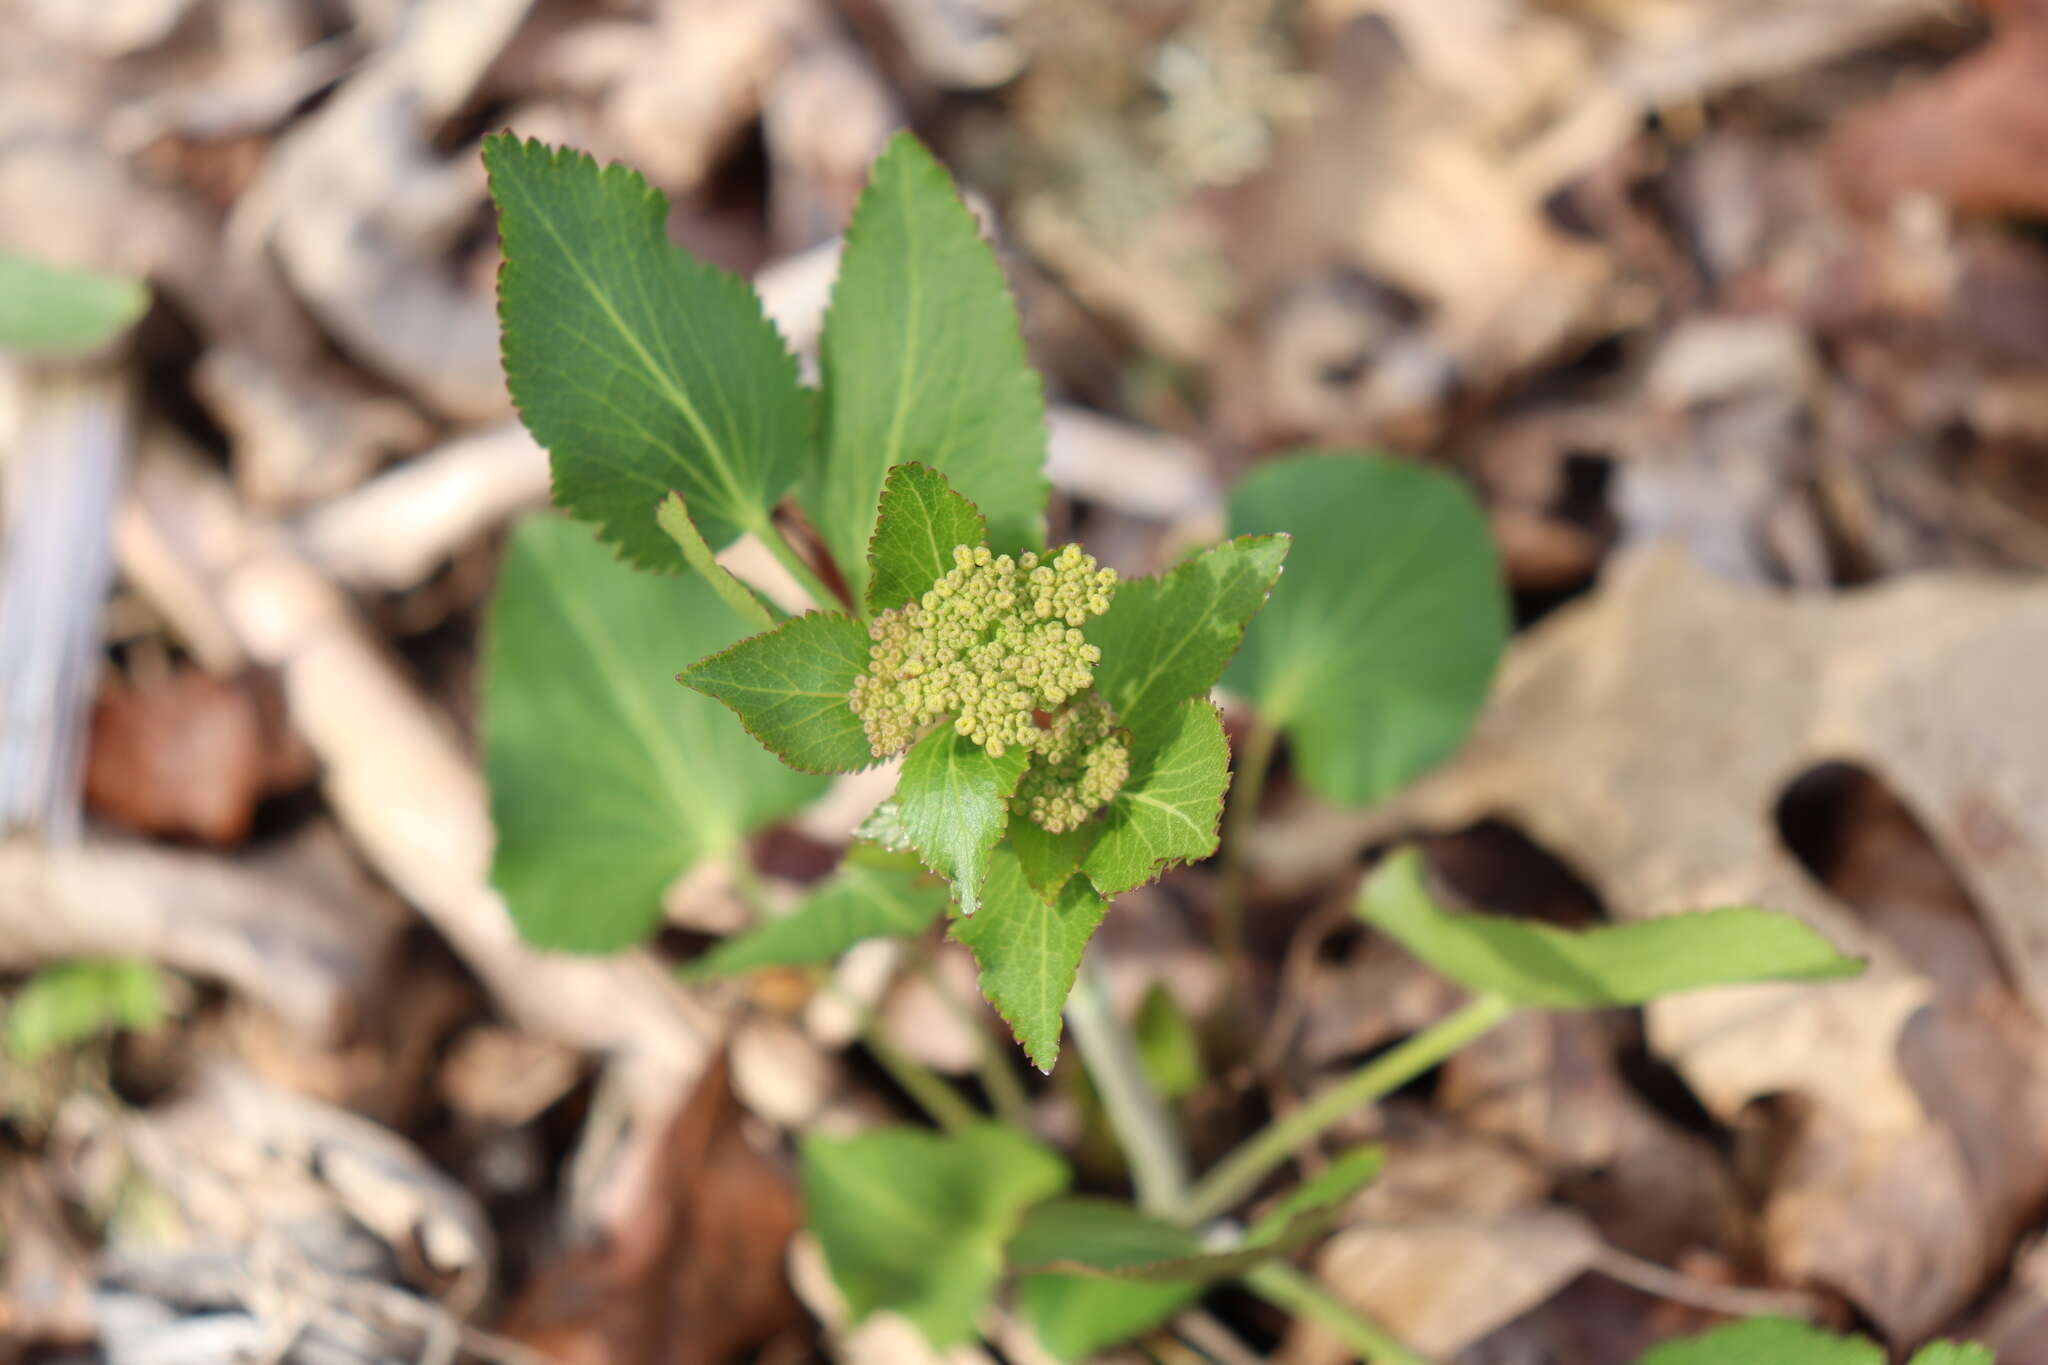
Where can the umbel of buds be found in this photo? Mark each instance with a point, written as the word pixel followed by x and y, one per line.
pixel 996 644
pixel 1082 764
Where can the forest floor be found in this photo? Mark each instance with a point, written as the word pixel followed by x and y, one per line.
pixel 1734 314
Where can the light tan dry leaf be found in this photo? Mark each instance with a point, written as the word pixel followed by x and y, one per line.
pixel 45 1271
pixel 1441 1286
pixel 360 210
pixel 1646 736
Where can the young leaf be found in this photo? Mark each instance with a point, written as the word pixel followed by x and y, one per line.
pixel 923 360
pixel 1540 967
pixel 1304 1212
pixel 1103 1238
pixel 66 1004
pixel 1168 638
pixel 1168 1044
pixel 607 780
pixel 55 310
pixel 1767 1341
pixel 1049 859
pixel 921 520
pixel 1168 811
pixel 1123 1272
pixel 1377 648
pixel 640 368
pixel 914 1221
pixel 1076 1316
pixel 1086 1235
pixel 789 687
pixel 674 518
pixel 1029 947
pixel 1952 1353
pixel 872 895
pixel 953 800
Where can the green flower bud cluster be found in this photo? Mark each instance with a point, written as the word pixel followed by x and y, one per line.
pixel 991 643
pixel 1083 763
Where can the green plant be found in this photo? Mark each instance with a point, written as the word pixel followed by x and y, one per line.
pixel 1780 1341
pixel 53 310
pixel 1057 740
pixel 67 1004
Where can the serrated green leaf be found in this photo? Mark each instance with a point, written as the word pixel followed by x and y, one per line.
pixel 921 520
pixel 1168 810
pixel 1380 641
pixel 1167 1044
pixel 638 367
pixel 1167 638
pixel 884 829
pixel 66 1004
pixel 923 360
pixel 1541 967
pixel 56 310
pixel 914 1221
pixel 789 688
pixel 1029 947
pixel 674 517
pixel 1049 859
pixel 1766 1341
pixel 871 895
pixel 952 801
pixel 607 780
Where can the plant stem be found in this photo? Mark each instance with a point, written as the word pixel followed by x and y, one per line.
pixel 770 535
pixel 1238 1174
pixel 1247 785
pixel 998 1076
pixel 1144 1127
pixel 933 1093
pixel 1287 1289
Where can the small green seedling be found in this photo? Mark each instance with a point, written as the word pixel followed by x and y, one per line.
pixel 52 310
pixel 1780 1341
pixel 74 1002
pixel 1053 722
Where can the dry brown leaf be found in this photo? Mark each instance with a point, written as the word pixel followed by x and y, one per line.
pixel 407 794
pixel 361 209
pixel 1440 1287
pixel 1454 1240
pixel 1973 137
pixel 45 1272
pixel 189 755
pixel 696 1278
pixel 1646 737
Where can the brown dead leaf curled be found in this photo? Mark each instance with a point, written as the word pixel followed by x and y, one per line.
pixel 1646 737
pixel 695 1278
pixel 1453 1241
pixel 1442 1286
pixel 1972 137
pixel 190 755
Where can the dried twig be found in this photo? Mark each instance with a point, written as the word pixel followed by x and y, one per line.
pixel 402 785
